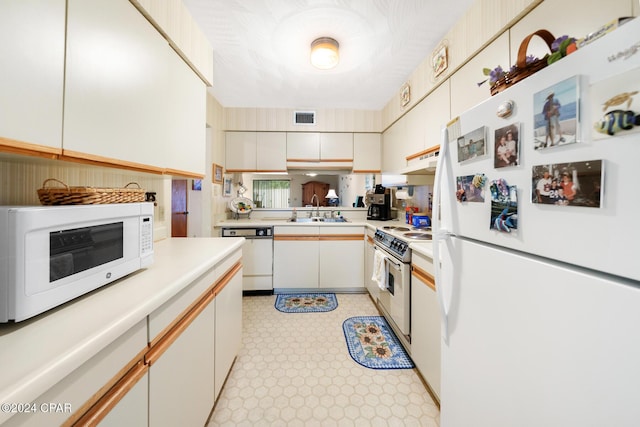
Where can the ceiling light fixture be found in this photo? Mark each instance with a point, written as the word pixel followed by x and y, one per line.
pixel 324 53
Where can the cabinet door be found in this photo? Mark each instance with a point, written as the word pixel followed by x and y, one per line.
pixel 367 151
pixel 341 257
pixel 393 143
pixel 132 410
pixel 84 383
pixel 240 150
pixel 115 104
pixel 295 257
pixel 187 105
pixel 181 380
pixel 303 146
pixel 425 326
pixel 228 332
pixel 32 64
pixel 271 151
pixel 336 146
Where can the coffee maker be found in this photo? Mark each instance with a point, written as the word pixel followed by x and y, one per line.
pixel 379 204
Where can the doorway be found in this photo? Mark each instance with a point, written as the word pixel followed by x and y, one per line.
pixel 179 210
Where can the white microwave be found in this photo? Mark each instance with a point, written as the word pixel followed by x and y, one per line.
pixel 52 254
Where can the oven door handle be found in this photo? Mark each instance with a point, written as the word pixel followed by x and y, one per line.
pixel 398 267
pixel 387 258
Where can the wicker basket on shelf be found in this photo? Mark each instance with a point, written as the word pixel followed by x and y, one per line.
pixel 522 69
pixel 67 195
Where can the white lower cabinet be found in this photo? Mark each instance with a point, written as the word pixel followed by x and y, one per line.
pixel 132 409
pixel 296 252
pixel 83 383
pixel 425 321
pixel 318 257
pixel 341 257
pixel 181 381
pixel 228 330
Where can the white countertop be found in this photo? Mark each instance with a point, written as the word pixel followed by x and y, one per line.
pixel 423 248
pixel 39 352
pixel 271 221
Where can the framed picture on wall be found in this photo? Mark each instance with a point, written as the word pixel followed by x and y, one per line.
pixel 217 174
pixel 196 185
pixel 227 186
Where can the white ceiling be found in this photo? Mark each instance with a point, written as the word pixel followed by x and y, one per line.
pixel 261 48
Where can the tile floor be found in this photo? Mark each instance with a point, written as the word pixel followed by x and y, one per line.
pixel 294 369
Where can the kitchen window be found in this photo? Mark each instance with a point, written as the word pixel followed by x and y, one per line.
pixel 271 193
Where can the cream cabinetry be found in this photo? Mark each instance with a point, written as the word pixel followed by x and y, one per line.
pixel 392 142
pixel 295 256
pixel 425 321
pixel 183 376
pixel 367 151
pixel 318 256
pixel 341 257
pixel 256 151
pixel 240 151
pixel 303 146
pixel 130 100
pixel 115 87
pixel 228 330
pixel 271 152
pixel 336 146
pixel 32 63
pixel 187 104
pixel 98 374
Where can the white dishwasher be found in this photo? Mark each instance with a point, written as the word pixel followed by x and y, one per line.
pixel 257 257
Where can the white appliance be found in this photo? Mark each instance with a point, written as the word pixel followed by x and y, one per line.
pixel 257 257
pixel 394 301
pixel 540 326
pixel 52 254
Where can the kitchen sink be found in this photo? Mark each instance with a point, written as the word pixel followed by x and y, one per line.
pixel 318 219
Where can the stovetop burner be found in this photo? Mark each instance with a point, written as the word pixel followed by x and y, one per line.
pixel 418 236
pixel 395 228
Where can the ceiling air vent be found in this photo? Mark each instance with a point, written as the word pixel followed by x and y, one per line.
pixel 304 117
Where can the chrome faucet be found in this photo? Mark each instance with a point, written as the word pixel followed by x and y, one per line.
pixel 317 203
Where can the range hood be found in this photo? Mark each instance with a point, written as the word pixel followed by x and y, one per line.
pixel 422 163
pixel 425 166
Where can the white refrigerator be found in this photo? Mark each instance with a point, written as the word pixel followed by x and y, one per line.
pixel 541 323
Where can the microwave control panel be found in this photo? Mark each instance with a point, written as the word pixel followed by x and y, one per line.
pixel 146 235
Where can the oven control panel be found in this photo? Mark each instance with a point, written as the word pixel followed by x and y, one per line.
pixel 396 246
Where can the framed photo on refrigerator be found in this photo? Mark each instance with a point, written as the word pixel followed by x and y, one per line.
pixel 507 146
pixel 568 184
pixel 472 145
pixel 556 114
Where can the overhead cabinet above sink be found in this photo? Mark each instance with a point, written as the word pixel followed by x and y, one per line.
pixel 320 150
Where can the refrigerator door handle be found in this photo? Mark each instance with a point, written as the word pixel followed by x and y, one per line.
pixel 440 235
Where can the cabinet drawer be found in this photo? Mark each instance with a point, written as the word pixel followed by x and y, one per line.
pixel 301 230
pixel 342 230
pixel 94 376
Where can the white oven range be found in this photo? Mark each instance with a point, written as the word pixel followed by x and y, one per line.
pixel 395 300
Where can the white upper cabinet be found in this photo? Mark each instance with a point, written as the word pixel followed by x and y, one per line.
pixel 256 152
pixel 271 151
pixel 187 118
pixel 32 64
pixel 130 100
pixel 116 84
pixel 392 147
pixel 336 146
pixel 240 151
pixel 303 146
pixel 367 150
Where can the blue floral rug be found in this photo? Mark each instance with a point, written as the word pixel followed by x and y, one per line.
pixel 306 303
pixel 373 344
